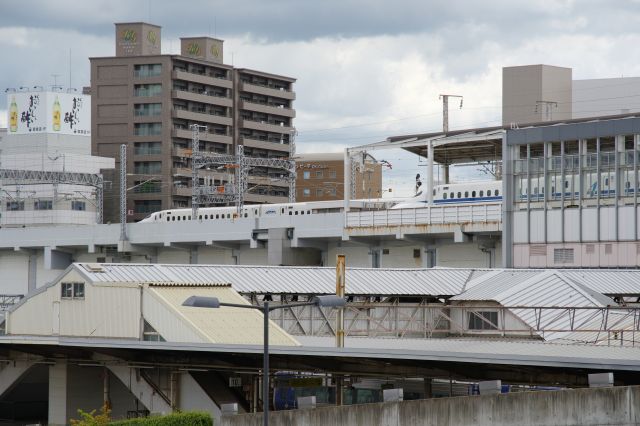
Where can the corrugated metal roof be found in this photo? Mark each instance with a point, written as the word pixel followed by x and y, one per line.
pixel 542 289
pixel 607 281
pixel 279 279
pixel 225 325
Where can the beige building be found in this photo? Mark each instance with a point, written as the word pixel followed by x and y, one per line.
pixel 320 177
pixel 148 101
pixel 536 93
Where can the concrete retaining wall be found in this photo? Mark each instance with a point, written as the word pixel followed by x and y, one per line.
pixel 603 406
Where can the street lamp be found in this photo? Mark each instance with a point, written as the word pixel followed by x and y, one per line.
pixel 327 301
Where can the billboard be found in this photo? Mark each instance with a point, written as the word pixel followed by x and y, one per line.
pixel 49 112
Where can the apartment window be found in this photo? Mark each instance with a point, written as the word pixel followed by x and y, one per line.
pixel 146 206
pixel 147 148
pixel 483 320
pixel 13 206
pixel 319 192
pixel 306 192
pixel 319 174
pixel 78 206
pixel 332 174
pixel 147 70
pixel 331 191
pixel 43 205
pixel 146 90
pixel 147 187
pixel 146 110
pixel 72 290
pixel 147 167
pixel 306 175
pixel 147 129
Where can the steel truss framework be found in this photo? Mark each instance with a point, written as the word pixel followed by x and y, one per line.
pixel 50 177
pixel 232 193
pixel 425 319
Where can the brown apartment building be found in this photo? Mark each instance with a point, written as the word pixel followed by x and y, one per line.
pixel 320 177
pixel 148 100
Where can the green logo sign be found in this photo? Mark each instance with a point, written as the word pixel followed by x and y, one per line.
pixel 129 36
pixel 151 36
pixel 193 49
pixel 215 51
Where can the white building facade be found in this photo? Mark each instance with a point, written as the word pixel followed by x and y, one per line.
pixel 49 176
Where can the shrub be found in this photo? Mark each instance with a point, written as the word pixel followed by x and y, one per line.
pixel 93 419
pixel 191 418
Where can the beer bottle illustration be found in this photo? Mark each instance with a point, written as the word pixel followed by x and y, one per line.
pixel 56 115
pixel 13 115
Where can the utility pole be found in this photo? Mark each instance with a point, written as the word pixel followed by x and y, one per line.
pixel 445 110
pixel 548 108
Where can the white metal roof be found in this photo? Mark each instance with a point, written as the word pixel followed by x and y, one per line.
pixel 365 281
pixel 279 279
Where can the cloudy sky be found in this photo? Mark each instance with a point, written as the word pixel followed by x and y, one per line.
pixel 366 69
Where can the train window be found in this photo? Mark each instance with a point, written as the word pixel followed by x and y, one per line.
pixel 302 212
pixel 246 215
pixel 459 194
pixel 627 184
pixel 282 210
pixel 434 192
pixel 466 194
pixel 228 215
pixel 217 216
pixel 498 192
pixel 290 213
pixel 553 189
pixel 296 213
pixel 451 195
pixel 255 212
pixel 178 217
pixel 308 211
pixel 481 193
pixel 488 193
pixel 200 217
pixel 168 218
pixel 566 183
pixel 444 196
pixel 606 181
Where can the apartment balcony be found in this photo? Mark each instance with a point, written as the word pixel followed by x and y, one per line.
pixel 204 136
pixel 261 198
pixel 181 191
pixel 267 181
pixel 214 174
pixel 265 144
pixel 267 91
pixel 201 115
pixel 265 126
pixel 202 79
pixel 202 98
pixel 267 109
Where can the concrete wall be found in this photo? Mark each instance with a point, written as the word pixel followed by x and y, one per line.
pixel 610 406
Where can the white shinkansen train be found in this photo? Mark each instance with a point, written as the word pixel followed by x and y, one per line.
pixel 462 193
pixel 450 194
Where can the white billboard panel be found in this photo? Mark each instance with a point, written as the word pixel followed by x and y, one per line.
pixel 49 112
